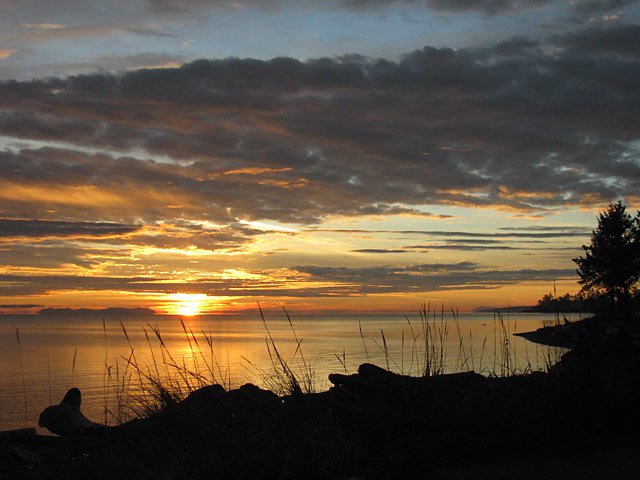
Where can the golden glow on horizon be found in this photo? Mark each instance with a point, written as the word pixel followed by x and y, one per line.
pixel 237 269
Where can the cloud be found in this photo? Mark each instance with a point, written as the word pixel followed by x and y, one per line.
pixel 489 7
pixel 594 7
pixel 426 277
pixel 42 26
pixel 307 281
pixel 479 248
pixel 464 247
pixel 173 7
pixel 12 228
pixel 112 63
pixel 478 241
pixel 15 285
pixel 518 126
pixel 571 229
pixel 51 31
pixel 622 39
pixel 53 255
pixel 91 248
pixel 519 233
pixel 445 246
pixel 6 53
pixel 378 250
pixel 20 305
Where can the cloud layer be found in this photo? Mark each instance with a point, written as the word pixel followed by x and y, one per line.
pixel 110 176
pixel 510 127
pixel 305 281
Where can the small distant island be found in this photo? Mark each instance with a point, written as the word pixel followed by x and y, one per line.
pixel 97 312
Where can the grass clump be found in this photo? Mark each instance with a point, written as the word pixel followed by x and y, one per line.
pixel 143 388
pixel 286 377
pixel 435 344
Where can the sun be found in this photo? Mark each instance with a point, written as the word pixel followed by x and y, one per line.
pixel 187 304
pixel 188 309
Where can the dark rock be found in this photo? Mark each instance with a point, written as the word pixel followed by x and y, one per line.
pixel 19 434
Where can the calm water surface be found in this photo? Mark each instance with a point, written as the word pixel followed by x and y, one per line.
pixel 55 354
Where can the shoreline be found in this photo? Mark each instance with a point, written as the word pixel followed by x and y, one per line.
pixel 378 424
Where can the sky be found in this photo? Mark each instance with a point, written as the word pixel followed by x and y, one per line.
pixel 338 156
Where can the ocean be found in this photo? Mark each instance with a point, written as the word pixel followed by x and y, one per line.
pixel 115 360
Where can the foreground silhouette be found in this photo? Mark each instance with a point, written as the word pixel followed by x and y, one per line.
pixel 579 420
pixel 66 417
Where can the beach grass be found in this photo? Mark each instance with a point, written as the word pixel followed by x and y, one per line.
pixel 150 378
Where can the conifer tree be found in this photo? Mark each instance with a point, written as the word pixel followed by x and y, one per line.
pixel 611 264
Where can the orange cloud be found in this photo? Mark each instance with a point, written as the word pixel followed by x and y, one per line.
pixel 42 26
pixel 6 53
pixel 297 183
pixel 64 195
pixel 256 170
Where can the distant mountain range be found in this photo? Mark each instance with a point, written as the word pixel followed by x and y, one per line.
pixel 97 312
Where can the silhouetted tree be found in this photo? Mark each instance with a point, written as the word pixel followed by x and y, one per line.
pixel 611 264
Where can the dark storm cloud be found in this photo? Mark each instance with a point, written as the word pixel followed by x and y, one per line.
pixel 47 228
pixel 517 126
